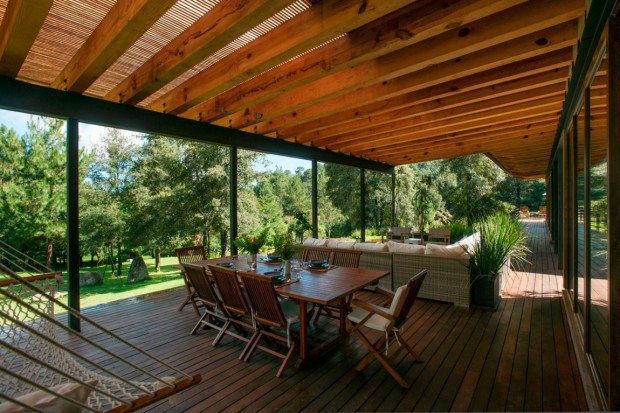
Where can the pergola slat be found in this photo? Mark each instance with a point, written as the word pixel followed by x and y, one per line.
pixel 321 23
pixel 20 26
pixel 121 27
pixel 227 21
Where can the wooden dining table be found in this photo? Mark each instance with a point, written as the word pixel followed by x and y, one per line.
pixel 315 287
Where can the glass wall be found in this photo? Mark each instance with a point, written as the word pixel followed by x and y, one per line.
pixel 338 201
pixel 580 135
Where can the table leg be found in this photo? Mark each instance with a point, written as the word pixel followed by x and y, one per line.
pixel 344 310
pixel 303 327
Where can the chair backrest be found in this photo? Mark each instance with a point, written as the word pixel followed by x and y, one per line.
pixel 405 301
pixel 190 254
pixel 316 253
pixel 231 294
pixel 345 257
pixel 197 274
pixel 439 233
pixel 263 298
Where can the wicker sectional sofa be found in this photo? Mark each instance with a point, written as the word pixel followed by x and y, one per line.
pixel 448 276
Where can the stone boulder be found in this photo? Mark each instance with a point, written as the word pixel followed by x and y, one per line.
pixel 137 270
pixel 90 278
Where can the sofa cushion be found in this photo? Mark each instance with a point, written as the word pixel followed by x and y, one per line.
pixel 449 251
pixel 45 401
pixel 334 243
pixel 314 242
pixel 405 248
pixel 469 242
pixel 371 246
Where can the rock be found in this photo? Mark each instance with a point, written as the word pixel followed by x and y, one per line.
pixel 90 278
pixel 137 270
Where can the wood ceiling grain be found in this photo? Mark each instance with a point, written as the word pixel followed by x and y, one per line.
pixel 398 81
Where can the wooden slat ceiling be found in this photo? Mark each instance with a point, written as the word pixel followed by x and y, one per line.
pixel 399 81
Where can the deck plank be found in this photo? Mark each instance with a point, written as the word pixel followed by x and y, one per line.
pixel 518 358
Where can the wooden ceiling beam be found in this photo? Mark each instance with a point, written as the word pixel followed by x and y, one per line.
pixel 492 79
pixel 556 38
pixel 322 22
pixel 516 22
pixel 227 21
pixel 486 134
pixel 450 134
pixel 412 24
pixel 442 139
pixel 20 26
pixel 549 78
pixel 124 24
pixel 503 105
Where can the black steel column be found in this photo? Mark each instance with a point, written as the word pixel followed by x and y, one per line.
pixel 315 200
pixel 233 199
pixel 363 204
pixel 394 198
pixel 73 216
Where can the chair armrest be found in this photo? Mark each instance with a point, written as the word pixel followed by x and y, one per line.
pixel 373 308
pixel 384 291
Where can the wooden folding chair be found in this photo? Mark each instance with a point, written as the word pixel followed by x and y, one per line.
pixel 273 318
pixel 185 255
pixel 316 253
pixel 342 258
pixel 208 296
pixel 235 304
pixel 388 321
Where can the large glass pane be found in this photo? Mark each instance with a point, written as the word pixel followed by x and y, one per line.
pixel 580 197
pixel 599 315
pixel 378 204
pixel 339 201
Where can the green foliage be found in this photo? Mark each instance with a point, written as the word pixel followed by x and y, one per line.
pixel 426 202
pixel 251 244
pixel 285 246
pixel 459 229
pixel 501 239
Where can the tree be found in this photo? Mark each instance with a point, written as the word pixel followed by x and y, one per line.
pixel 33 189
pixel 426 202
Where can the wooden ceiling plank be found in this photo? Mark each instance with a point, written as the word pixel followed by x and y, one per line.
pixel 322 22
pixel 20 26
pixel 438 135
pixel 557 60
pixel 487 134
pixel 499 105
pixel 412 24
pixel 516 22
pixel 227 21
pixel 557 76
pixel 524 120
pixel 557 38
pixel 125 23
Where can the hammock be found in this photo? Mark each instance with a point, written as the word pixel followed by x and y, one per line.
pixel 42 359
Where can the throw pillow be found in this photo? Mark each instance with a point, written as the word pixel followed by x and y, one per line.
pixel 405 248
pixel 451 251
pixel 333 243
pixel 371 246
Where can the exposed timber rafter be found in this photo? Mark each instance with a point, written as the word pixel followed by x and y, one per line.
pixel 321 23
pixel 20 25
pixel 120 28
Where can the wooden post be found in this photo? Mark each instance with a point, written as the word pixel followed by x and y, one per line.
pixel 393 199
pixel 586 223
pixel 233 173
pixel 613 173
pixel 73 217
pixel 315 202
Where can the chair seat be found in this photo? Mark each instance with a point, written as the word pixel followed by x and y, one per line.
pixel 376 322
pixel 290 310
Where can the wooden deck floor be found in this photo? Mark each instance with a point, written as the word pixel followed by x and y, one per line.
pixel 519 358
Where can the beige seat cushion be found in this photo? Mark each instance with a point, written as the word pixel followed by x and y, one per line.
pixel 47 402
pixel 406 248
pixel 376 321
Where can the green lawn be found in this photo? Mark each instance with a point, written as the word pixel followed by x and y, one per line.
pixel 117 288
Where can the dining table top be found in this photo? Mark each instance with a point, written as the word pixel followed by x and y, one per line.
pixel 315 286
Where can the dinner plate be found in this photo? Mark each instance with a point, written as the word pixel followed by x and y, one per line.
pixel 278 278
pixel 319 265
pixel 225 264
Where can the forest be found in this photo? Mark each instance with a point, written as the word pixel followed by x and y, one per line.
pixel 153 194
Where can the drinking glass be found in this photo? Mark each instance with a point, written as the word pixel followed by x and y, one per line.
pixel 296 268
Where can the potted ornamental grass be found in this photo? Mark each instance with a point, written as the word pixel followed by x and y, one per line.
pixel 286 249
pixel 502 243
pixel 252 244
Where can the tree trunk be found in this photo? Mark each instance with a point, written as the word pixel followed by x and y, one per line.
pixel 48 260
pixel 207 242
pixel 157 259
pixel 224 241
pixel 120 259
